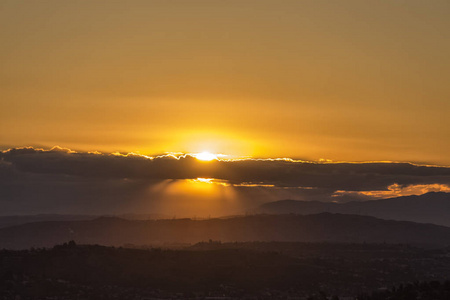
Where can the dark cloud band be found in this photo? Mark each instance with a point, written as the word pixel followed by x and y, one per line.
pixel 280 173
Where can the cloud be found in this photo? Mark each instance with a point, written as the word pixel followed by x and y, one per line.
pixel 60 180
pixel 245 172
pixel 396 190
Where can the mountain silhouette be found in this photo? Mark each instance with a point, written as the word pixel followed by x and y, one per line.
pixel 432 208
pixel 323 227
pixel 8 221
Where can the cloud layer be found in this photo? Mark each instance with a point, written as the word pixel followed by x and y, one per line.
pixel 277 172
pixel 47 175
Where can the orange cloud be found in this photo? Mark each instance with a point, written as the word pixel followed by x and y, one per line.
pixel 396 190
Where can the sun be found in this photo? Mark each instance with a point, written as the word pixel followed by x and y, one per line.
pixel 205 156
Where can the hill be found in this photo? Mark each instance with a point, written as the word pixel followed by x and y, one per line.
pixel 427 208
pixel 8 221
pixel 324 227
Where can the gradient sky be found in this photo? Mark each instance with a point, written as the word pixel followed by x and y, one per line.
pixel 341 80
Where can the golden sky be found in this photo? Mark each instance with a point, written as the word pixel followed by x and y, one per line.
pixel 341 80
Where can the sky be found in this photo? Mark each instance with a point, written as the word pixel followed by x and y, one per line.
pixel 339 80
pixel 316 81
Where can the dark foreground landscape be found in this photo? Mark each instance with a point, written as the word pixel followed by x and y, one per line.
pixel 215 270
pixel 285 256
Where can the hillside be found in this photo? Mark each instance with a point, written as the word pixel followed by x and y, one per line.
pixel 324 227
pixel 428 208
pixel 8 221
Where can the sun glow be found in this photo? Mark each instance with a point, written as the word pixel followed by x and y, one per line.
pixel 205 156
pixel 204 180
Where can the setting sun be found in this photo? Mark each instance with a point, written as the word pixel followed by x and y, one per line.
pixel 205 156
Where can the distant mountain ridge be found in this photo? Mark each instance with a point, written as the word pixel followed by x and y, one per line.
pixel 7 221
pixel 324 227
pixel 432 208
